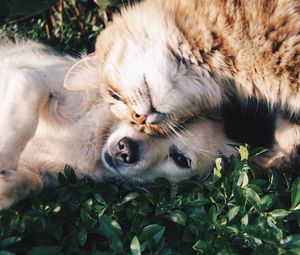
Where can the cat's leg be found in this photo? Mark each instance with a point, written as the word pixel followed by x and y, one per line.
pixel 22 96
pixel 16 185
pixel 285 153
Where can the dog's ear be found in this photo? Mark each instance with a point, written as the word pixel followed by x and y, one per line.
pixel 84 74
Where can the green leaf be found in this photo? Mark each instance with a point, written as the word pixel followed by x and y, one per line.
pixel 243 150
pixel 113 232
pixel 258 151
pixel 265 229
pixel 135 247
pixel 232 230
pixel 232 213
pixel 245 220
pixel 30 7
pixel 201 246
pixel 103 4
pixel 9 241
pixel 213 214
pixel 131 196
pixel 292 241
pixel 100 199
pixel 267 201
pixel 262 250
pixel 153 231
pixel 243 179
pixel 217 169
pixel 295 251
pixel 276 231
pixel 273 179
pixel 246 194
pixel 86 218
pixel 41 250
pixel 178 217
pixel 70 174
pixel 295 196
pixel 279 213
pixel 82 236
pixel 62 180
pixel 252 197
pixel 6 253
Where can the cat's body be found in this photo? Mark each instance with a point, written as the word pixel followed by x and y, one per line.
pixel 164 61
pixel 254 43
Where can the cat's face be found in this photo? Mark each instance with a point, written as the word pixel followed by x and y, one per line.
pixel 151 85
pixel 148 73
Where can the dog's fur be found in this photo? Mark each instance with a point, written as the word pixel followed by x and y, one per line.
pixel 43 127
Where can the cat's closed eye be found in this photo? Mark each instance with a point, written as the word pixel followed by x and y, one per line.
pixel 114 95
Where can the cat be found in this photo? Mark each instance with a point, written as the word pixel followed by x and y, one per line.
pixel 163 61
pixel 43 127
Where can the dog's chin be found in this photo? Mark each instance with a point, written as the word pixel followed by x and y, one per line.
pixel 121 171
pixel 111 164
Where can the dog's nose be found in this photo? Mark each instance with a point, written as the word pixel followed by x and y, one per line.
pixel 126 151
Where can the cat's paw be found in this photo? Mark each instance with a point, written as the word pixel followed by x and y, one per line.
pixel 11 187
pixel 279 160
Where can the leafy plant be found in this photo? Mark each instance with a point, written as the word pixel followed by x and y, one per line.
pixel 234 212
pixel 68 25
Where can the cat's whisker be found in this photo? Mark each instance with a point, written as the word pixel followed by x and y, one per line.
pixel 183 128
pixel 166 131
pixel 185 141
pixel 189 144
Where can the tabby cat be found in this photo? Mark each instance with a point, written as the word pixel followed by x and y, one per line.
pixel 164 61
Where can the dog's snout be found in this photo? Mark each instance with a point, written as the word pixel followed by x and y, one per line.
pixel 126 151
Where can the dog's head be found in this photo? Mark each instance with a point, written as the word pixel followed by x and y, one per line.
pixel 135 156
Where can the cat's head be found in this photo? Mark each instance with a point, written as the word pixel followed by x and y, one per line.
pixel 149 74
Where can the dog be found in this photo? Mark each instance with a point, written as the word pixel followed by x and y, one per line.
pixel 44 126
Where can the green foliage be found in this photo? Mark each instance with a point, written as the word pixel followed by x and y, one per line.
pixel 234 212
pixel 29 7
pixel 68 25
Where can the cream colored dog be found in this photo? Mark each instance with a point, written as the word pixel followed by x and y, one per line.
pixel 43 127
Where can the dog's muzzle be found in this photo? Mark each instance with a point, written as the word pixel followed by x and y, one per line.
pixel 123 154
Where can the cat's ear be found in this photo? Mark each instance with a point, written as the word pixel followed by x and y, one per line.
pixel 84 74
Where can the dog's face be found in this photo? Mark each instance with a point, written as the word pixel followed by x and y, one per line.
pixel 135 156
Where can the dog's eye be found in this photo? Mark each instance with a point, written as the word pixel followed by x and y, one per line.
pixel 114 95
pixel 181 160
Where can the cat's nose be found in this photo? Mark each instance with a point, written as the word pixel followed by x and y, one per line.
pixel 126 151
pixel 139 119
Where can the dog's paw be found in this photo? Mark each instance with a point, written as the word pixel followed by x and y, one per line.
pixel 12 187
